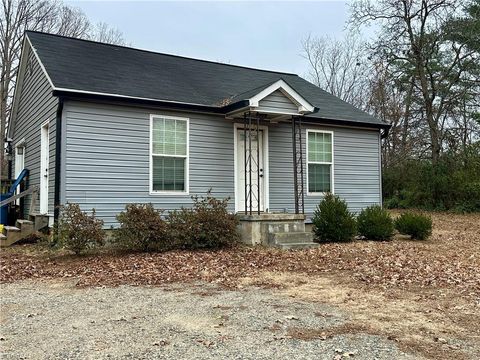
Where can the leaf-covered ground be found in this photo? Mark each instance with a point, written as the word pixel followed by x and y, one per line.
pixel 450 258
pixel 425 295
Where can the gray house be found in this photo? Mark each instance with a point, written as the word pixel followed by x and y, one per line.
pixel 104 125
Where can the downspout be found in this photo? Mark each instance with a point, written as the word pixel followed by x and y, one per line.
pixel 385 132
pixel 383 135
pixel 58 154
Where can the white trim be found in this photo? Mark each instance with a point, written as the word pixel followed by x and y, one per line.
pixel 20 143
pixel 186 157
pixel 18 169
pixel 20 78
pixel 266 166
pixel 303 105
pixel 279 112
pixel 44 164
pixel 332 163
pixel 306 121
pixel 125 96
pixel 40 62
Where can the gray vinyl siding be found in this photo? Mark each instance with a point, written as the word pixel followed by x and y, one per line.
pixel 277 101
pixel 356 167
pixel 107 158
pixel 36 105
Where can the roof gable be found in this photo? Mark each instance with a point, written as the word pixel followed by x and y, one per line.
pixel 278 89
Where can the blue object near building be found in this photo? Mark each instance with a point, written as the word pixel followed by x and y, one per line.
pixel 11 192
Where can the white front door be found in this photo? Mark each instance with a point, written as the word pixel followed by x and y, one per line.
pixel 44 171
pixel 257 179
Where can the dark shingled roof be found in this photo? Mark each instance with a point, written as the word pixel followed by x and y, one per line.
pixel 82 65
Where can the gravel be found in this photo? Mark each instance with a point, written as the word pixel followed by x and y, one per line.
pixel 56 320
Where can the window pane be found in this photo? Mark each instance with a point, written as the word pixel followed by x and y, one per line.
pixel 319 147
pixel 319 178
pixel 181 142
pixel 158 124
pixel 158 138
pixel 169 137
pixel 312 147
pixel 168 173
pixel 181 126
pixel 169 125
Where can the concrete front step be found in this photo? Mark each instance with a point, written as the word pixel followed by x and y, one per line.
pixel 292 240
pixel 291 237
pixel 297 246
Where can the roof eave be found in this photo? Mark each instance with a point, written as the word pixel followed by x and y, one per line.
pixel 72 94
pixel 76 95
pixel 365 124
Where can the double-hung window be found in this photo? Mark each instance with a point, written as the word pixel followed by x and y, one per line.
pixel 319 161
pixel 169 154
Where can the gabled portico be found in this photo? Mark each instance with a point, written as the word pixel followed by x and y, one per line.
pixel 263 108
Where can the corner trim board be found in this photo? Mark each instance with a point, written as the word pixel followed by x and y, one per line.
pixel 58 160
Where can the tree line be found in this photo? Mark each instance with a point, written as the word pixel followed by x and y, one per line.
pixel 420 73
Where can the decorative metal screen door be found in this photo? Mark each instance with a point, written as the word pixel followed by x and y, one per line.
pixel 257 145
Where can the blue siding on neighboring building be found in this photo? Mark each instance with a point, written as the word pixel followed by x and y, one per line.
pixel 107 160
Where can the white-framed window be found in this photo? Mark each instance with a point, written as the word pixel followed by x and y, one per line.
pixel 319 161
pixel 169 137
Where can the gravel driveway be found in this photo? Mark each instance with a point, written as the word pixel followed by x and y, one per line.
pixel 56 320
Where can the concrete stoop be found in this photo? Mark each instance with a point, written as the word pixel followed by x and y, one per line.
pixel 285 231
pixel 292 240
pixel 12 234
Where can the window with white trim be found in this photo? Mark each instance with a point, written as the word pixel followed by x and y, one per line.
pixel 319 161
pixel 169 154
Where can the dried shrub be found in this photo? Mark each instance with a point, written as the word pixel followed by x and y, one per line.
pixel 141 228
pixel 77 230
pixel 418 226
pixel 208 224
pixel 332 221
pixel 375 223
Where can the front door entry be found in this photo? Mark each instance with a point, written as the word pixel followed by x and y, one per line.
pixel 247 161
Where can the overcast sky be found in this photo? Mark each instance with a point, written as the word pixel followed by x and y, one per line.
pixel 258 34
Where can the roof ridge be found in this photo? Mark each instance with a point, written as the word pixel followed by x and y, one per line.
pixel 159 53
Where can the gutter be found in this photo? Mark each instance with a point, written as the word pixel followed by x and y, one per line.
pixel 138 101
pixel 204 108
pixel 58 155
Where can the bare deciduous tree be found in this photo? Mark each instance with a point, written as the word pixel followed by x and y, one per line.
pixel 51 16
pixel 107 34
pixel 340 67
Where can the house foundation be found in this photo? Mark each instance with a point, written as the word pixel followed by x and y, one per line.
pixel 280 230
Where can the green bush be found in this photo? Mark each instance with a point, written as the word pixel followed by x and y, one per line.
pixel 332 221
pixel 141 228
pixel 375 223
pixel 208 224
pixel 418 226
pixel 450 184
pixel 78 231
